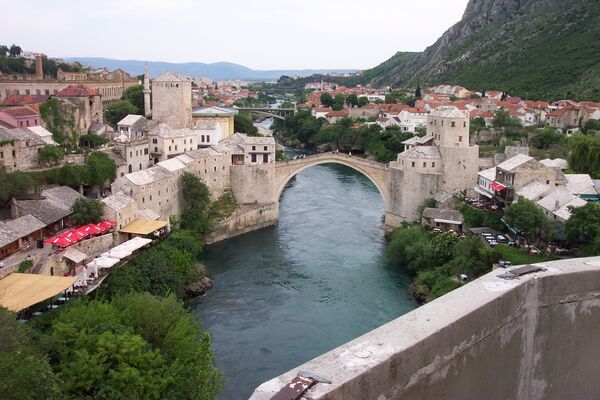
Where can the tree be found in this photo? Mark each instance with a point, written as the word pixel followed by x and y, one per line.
pixel 591 125
pixel 243 123
pixel 352 100
pixel 119 110
pixel 15 51
pixel 363 101
pixel 14 184
pixel 545 138
pixel 585 153
pixel 101 169
pixel 26 374
pixel 135 95
pixel 477 124
pixel 418 92
pixel 196 198
pixel 326 100
pixel 3 50
pixel 503 119
pixel 583 227
pixel 528 218
pixel 51 154
pixel 338 102
pixel 87 211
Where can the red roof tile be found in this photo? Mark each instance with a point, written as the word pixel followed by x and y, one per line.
pixel 19 112
pixel 77 91
pixel 22 100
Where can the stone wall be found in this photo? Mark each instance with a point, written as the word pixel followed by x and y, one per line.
pixel 531 338
pixel 246 219
pixel 253 184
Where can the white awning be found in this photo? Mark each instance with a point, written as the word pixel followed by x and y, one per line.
pixel 116 253
pixel 103 262
pixel 447 221
pixel 482 192
pixel 74 255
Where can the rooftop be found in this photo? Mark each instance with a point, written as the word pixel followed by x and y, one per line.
pixel 213 112
pixel 514 162
pixel 449 112
pixel 422 152
pixel 130 119
pixel 117 201
pixel 489 174
pixel 534 191
pixel 170 77
pixel 147 176
pixel 579 184
pixel 77 91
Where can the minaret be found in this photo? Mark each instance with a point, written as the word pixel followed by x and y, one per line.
pixel 147 109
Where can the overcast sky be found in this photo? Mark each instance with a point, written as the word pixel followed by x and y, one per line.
pixel 260 34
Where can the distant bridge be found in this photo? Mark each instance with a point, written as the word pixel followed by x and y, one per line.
pixel 280 113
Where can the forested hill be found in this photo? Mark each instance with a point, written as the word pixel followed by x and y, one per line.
pixel 543 49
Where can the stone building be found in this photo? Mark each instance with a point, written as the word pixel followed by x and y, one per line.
pixel 520 170
pixel 135 154
pixel 172 100
pixel 441 161
pixel 19 117
pixel 88 103
pixel 213 124
pixel 167 142
pixel 19 149
pixel 133 126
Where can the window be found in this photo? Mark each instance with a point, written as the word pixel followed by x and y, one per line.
pixel 460 138
pixel 150 197
pixel 453 124
pixel 215 169
pixel 130 153
pixel 156 149
pixel 208 138
pixel 265 148
pixel 184 141
pixel 464 124
pixel 547 182
pixel 140 166
pixel 202 138
pixel 253 147
pixel 413 164
pixel 253 158
pixel 433 165
pixel 169 148
pixel 175 147
pixel 265 158
pixel 143 199
pixel 146 151
pixel 424 164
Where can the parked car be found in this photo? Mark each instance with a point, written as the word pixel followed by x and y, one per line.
pixel 502 239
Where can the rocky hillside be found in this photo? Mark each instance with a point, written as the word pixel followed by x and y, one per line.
pixel 533 48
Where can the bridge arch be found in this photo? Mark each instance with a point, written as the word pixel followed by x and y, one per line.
pixel 374 171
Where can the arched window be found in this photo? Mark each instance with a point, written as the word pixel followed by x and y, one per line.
pixel 130 168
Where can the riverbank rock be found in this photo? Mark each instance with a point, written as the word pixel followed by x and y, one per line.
pixel 200 286
pixel 418 292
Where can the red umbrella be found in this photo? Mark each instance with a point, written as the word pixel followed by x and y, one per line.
pixel 72 236
pixel 59 241
pixel 106 225
pixel 90 229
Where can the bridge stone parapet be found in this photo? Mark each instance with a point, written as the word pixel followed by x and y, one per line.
pixel 532 338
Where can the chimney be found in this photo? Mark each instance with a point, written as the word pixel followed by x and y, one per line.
pixel 39 69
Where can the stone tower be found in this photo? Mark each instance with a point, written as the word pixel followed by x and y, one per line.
pixel 147 108
pixel 172 100
pixel 450 130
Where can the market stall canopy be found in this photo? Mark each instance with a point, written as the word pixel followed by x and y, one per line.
pixel 141 226
pixel 90 229
pixel 106 225
pixel 117 253
pixel 134 244
pixel 20 291
pixel 103 262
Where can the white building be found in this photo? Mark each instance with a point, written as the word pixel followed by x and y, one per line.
pixel 167 142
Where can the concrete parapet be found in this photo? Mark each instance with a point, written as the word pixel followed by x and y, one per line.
pixel 532 338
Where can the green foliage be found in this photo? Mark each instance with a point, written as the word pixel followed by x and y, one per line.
pixel 363 101
pixel 25 265
pixel 135 95
pixel 196 198
pixel 518 256
pixel 429 202
pixel 528 218
pixel 223 207
pixel 62 128
pixel 502 119
pixel 132 347
pixel 475 218
pixel 591 125
pixel 585 154
pixel 301 126
pixel 118 110
pixel 14 184
pixel 91 140
pixel 412 247
pixel 477 124
pixel 326 100
pixel 51 154
pixel 352 100
pixel 583 228
pixel 546 138
pixel 338 102
pixel 87 211
pixel 280 155
pixel 26 374
pixel 243 124
pixel 101 169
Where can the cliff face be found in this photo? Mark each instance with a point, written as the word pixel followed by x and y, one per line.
pixel 521 46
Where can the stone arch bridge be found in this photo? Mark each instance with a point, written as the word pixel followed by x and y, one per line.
pixel 377 172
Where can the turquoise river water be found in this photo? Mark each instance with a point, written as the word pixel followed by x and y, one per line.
pixel 317 279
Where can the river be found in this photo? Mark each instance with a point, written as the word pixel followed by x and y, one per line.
pixel 317 279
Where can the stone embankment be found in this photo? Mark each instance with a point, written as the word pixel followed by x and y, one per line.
pixel 246 218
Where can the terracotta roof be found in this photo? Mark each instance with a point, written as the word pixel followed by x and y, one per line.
pixel 77 91
pixel 21 99
pixel 17 112
pixel 340 113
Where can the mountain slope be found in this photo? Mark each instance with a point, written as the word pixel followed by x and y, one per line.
pixel 545 49
pixel 217 71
